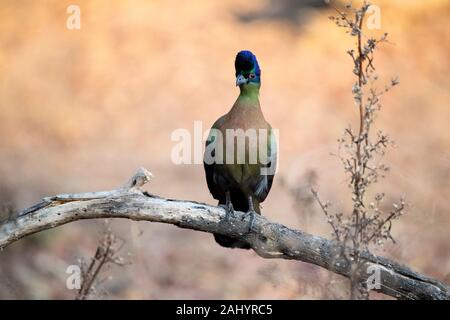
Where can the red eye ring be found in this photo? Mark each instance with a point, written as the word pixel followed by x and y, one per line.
pixel 252 76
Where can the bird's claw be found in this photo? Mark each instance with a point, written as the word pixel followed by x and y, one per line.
pixel 229 210
pixel 252 217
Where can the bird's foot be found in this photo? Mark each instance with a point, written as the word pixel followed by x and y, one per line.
pixel 252 217
pixel 229 210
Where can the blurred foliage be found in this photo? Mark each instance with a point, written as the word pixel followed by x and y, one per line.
pixel 81 110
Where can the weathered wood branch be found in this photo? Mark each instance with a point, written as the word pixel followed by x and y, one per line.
pixel 268 240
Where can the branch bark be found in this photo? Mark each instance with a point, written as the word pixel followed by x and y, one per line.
pixel 269 239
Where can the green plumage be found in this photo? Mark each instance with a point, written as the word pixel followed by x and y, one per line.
pixel 240 177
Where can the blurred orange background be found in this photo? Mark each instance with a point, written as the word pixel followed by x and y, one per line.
pixel 81 110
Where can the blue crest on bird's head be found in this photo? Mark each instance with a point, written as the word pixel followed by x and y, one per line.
pixel 247 66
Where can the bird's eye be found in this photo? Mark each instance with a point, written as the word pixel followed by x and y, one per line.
pixel 252 76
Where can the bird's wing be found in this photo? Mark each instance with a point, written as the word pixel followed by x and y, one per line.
pixel 209 164
pixel 264 183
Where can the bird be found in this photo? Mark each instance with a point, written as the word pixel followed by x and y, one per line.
pixel 241 181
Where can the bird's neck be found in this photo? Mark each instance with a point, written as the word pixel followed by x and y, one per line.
pixel 249 95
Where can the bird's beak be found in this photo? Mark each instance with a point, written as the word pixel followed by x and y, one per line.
pixel 240 79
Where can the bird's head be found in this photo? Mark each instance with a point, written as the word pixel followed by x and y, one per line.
pixel 248 72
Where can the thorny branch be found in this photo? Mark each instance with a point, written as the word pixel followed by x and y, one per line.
pixel 105 254
pixel 367 224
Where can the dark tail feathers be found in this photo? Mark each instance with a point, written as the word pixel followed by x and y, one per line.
pixel 228 242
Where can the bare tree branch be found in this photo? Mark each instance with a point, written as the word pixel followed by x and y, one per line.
pixel 269 240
